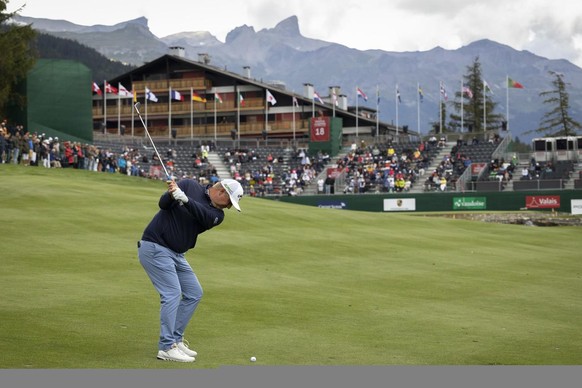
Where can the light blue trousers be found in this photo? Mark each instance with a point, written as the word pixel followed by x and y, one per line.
pixel 179 289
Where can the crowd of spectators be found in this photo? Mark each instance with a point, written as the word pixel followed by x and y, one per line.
pixel 274 170
pixel 261 172
pixel 388 167
pixel 269 171
pixel 19 146
pixel 463 154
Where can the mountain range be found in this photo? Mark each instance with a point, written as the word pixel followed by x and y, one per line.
pixel 283 56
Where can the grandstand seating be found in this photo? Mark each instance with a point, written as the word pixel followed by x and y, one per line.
pixel 364 172
pixel 372 168
pixel 271 170
pixel 545 175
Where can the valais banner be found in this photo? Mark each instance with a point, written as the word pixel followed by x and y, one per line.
pixel 542 201
pixel 320 129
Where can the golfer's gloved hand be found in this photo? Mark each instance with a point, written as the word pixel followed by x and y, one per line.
pixel 179 195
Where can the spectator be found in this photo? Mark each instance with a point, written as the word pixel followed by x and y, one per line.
pixel 3 143
pixel 443 183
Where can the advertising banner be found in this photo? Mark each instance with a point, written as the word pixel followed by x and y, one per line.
pixel 332 205
pixel 399 204
pixel 469 203
pixel 542 201
pixel 576 206
pixel 477 167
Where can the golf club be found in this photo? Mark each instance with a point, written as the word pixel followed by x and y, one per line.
pixel 168 176
pixel 136 106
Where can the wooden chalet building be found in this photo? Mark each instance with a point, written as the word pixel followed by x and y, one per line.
pixel 196 100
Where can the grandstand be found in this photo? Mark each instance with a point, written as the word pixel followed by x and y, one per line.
pixel 280 169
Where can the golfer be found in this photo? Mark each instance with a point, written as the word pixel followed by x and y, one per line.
pixel 187 209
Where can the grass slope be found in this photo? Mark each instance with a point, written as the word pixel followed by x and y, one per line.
pixel 289 284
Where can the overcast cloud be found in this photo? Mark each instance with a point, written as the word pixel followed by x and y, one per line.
pixel 551 29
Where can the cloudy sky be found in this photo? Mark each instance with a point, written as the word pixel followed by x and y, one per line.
pixel 552 29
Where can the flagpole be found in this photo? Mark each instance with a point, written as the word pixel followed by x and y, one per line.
pixel 133 99
pixel 266 111
pixel 462 106
pixel 170 113
pixel 396 102
pixel 377 111
pixel 118 109
pixel 507 100
pixel 105 105
pixel 441 108
pixel 357 113
pixel 484 109
pixel 418 109
pixel 313 105
pixel 215 116
pixel 238 116
pixel 191 113
pixel 293 108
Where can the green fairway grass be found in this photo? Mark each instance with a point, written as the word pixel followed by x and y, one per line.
pixel 288 284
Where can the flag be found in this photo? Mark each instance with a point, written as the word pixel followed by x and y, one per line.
pixel 96 89
pixel 317 98
pixel 295 102
pixel 420 94
pixel 444 92
pixel 334 98
pixel 398 94
pixel 217 98
pixel 175 95
pixel 241 100
pixel 270 98
pixel 467 90
pixel 513 84
pixel 134 94
pixel 151 96
pixel 360 93
pixel 124 92
pixel 109 89
pixel 487 87
pixel 196 97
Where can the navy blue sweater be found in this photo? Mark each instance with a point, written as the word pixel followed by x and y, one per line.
pixel 177 227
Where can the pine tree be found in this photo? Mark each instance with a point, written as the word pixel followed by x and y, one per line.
pixel 557 122
pixel 474 106
pixel 16 57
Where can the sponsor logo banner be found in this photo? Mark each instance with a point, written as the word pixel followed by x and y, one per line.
pixel 476 168
pixel 333 205
pixel 399 204
pixel 542 201
pixel 469 203
pixel 576 205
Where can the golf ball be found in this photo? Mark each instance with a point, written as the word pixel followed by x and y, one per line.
pixel 253 359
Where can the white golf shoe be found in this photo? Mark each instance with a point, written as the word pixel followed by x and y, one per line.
pixel 174 354
pixel 183 346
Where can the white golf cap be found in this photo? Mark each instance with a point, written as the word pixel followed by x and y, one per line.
pixel 234 190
